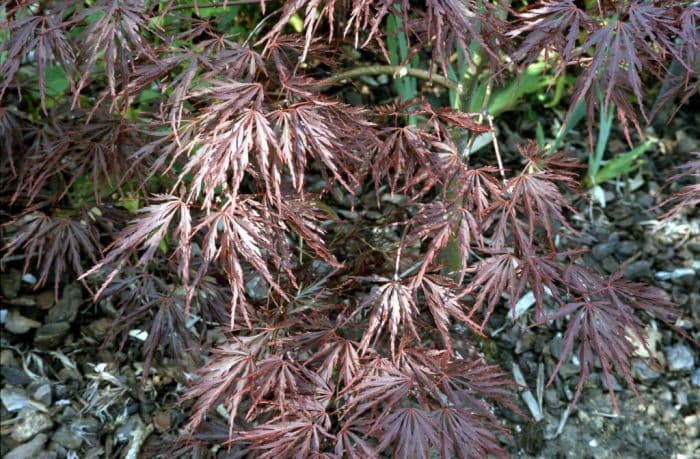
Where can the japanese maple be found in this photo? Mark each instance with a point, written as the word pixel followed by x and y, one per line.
pixel 183 171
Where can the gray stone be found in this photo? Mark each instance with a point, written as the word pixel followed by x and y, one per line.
pixel 642 372
pixel 30 424
pixel 14 398
pixel 627 248
pixel 556 345
pixel 692 424
pixel 66 310
pixel 10 283
pixel 638 269
pixel 14 376
pixel 65 437
pixel 29 449
pixel 525 342
pixel 695 379
pixel 24 300
pixel 17 324
pixel 680 358
pixel 43 394
pixel 51 335
pixel 98 328
pixel 604 249
pixel 45 299
pixel 616 387
pixel 256 288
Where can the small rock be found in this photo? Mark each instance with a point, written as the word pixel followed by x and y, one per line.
pixel 66 310
pixel 10 283
pixel 24 300
pixel 604 249
pixel 256 288
pixel 99 328
pixel 29 278
pixel 65 437
pixel 610 265
pixel 161 421
pixel 552 399
pixel 681 398
pixel 680 358
pixel 568 370
pixel 683 275
pixel 627 248
pixel 695 379
pixel 51 335
pixel 29 449
pixel 7 358
pixel 692 424
pixel 14 398
pixel 685 143
pixel 45 300
pixel 14 376
pixel 18 324
pixel 525 342
pixel 638 270
pixel 43 394
pixel 30 424
pixel 556 345
pixel 642 372
pixel 615 385
pixel 666 396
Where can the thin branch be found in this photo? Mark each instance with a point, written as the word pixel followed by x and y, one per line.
pixel 396 70
pixel 195 6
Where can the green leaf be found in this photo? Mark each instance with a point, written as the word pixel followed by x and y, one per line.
pixel 622 164
pixel 297 23
pixel 56 81
pixel 539 135
pixel 508 97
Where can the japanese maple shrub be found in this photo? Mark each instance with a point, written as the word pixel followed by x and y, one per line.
pixel 195 160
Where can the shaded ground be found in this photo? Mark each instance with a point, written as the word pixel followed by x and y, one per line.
pixel 62 396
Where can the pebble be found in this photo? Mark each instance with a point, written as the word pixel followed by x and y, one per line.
pixel 43 394
pixel 30 424
pixel 66 310
pixel 29 449
pixel 18 324
pixel 14 376
pixel 692 424
pixel 65 437
pixel 695 379
pixel 14 398
pixel 45 299
pixel 556 345
pixel 24 301
pixel 51 335
pixel 604 249
pixel 680 358
pixel 642 372
pixel 99 328
pixel 551 397
pixel 627 248
pixel 616 387
pixel 525 342
pixel 256 288
pixel 638 269
pixel 10 283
